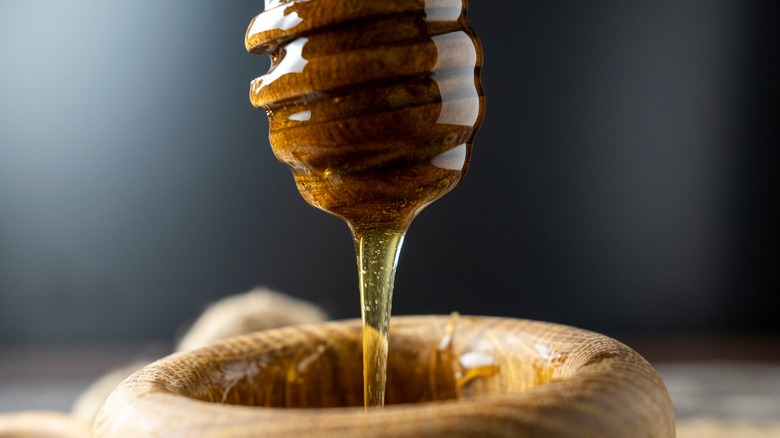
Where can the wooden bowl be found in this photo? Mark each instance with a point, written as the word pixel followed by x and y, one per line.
pixel 447 376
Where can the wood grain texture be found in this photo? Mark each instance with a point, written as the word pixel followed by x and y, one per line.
pixel 542 379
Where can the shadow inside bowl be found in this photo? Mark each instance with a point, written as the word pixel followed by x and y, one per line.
pixel 322 367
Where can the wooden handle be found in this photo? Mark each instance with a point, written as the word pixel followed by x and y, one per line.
pixel 447 376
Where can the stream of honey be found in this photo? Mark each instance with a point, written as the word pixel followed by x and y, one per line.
pixel 373 105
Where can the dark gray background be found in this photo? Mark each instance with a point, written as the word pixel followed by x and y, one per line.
pixel 622 180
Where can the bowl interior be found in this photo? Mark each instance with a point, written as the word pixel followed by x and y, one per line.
pixel 430 359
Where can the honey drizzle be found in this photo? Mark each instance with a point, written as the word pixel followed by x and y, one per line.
pixel 377 250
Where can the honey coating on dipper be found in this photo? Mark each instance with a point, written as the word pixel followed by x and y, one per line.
pixel 372 103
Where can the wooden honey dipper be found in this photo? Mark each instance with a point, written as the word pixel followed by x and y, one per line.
pixel 373 104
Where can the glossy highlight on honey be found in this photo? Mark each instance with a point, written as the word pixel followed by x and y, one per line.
pixel 374 105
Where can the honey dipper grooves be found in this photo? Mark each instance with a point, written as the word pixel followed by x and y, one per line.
pixel 373 104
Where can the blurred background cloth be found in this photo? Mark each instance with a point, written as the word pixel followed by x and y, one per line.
pixel 622 180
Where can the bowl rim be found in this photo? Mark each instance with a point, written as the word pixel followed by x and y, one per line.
pixel 605 387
